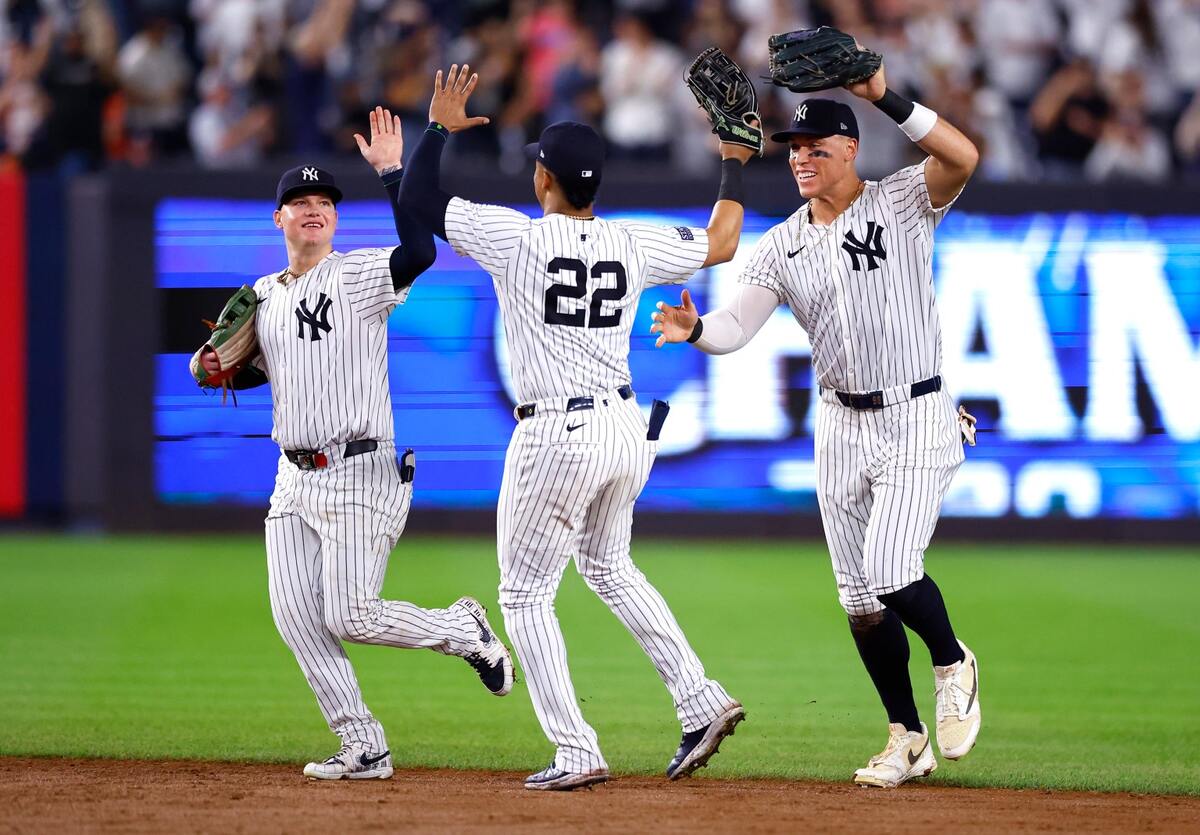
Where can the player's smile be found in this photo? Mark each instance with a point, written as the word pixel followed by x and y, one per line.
pixel 806 158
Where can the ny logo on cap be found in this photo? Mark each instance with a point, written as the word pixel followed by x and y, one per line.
pixel 801 112
pixel 309 174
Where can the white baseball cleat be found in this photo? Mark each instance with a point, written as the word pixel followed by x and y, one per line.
pixel 956 689
pixel 352 764
pixel 490 658
pixel 906 756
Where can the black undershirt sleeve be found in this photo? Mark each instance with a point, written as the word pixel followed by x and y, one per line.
pixel 421 194
pixel 416 252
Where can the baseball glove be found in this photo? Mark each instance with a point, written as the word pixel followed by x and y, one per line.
pixel 808 60
pixel 232 338
pixel 727 94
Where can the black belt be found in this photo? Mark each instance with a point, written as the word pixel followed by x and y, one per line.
pixel 874 399
pixel 575 404
pixel 311 459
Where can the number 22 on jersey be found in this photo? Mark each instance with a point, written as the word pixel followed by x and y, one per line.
pixel 573 286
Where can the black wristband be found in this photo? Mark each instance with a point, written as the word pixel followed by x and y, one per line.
pixel 392 177
pixel 696 331
pixel 731 181
pixel 895 106
pixel 438 128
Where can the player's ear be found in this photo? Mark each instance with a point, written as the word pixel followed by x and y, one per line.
pixel 851 149
pixel 278 219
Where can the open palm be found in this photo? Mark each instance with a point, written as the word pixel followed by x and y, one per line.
pixel 674 323
pixel 386 148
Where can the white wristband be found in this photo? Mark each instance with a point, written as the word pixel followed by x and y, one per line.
pixel 919 123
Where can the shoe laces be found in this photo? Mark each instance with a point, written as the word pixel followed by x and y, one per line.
pixel 951 696
pixel 344 756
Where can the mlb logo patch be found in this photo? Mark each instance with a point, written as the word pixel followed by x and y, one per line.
pixel 685 233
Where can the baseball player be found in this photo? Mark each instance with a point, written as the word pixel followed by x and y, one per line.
pixel 854 264
pixel 568 285
pixel 341 494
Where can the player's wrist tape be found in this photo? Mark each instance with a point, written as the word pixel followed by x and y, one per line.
pixel 731 181
pixel 438 128
pixel 696 331
pixel 914 119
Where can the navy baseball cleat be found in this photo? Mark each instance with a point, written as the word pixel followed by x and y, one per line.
pixel 698 746
pixel 554 779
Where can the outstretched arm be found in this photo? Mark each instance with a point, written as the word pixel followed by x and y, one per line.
pixel 953 156
pixel 416 252
pixel 725 224
pixel 720 332
pixel 421 194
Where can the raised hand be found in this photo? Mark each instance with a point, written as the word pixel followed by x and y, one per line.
pixel 674 323
pixel 386 148
pixel 873 88
pixel 449 105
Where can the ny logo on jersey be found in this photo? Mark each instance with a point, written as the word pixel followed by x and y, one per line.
pixel 309 174
pixel 871 248
pixel 317 320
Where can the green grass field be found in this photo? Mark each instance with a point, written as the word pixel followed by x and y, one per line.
pixel 164 647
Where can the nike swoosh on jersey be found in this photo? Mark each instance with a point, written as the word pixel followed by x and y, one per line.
pixel 794 254
pixel 576 426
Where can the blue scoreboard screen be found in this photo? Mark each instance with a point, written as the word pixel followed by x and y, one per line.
pixel 1073 337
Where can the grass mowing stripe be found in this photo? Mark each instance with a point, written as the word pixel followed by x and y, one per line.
pixel 164 647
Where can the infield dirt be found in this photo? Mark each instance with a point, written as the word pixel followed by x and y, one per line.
pixel 48 794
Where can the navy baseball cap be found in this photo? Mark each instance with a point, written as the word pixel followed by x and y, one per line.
pixel 820 117
pixel 572 151
pixel 305 178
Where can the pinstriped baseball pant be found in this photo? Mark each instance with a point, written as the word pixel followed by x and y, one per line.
pixel 571 494
pixel 881 478
pixel 329 534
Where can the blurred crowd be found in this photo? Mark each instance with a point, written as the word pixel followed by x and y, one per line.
pixel 1049 89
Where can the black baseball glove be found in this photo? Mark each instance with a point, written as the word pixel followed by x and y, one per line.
pixel 727 94
pixel 808 60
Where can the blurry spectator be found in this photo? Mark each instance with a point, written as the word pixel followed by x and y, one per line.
pixel 154 75
pixel 1067 117
pixel 1132 43
pixel 984 115
pixel 762 19
pixel 946 47
pixel 639 77
pixel 1178 23
pixel 77 85
pixel 1130 148
pixel 227 132
pixel 1187 135
pixel 489 44
pixel 1020 41
pixel 575 95
pixel 714 24
pixel 22 104
pixel 315 45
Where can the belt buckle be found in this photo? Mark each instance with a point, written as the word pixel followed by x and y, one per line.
pixel 311 460
pixel 876 400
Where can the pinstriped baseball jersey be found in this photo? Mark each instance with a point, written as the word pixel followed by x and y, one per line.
pixel 323 337
pixel 568 289
pixel 862 287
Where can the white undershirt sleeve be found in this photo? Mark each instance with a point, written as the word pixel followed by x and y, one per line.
pixel 734 325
